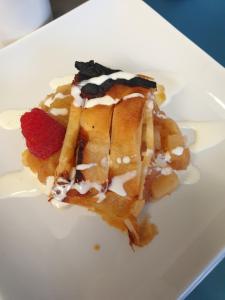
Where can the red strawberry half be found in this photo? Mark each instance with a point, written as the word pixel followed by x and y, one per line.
pixel 44 135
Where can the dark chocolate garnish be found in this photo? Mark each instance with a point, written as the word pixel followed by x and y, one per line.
pixel 82 141
pixel 91 90
pixel 91 69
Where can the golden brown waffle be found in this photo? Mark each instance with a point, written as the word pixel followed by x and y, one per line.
pixel 109 161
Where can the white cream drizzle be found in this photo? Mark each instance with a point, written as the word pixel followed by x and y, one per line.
pixel 100 197
pixel 59 111
pixel 207 134
pixel 84 186
pixel 166 171
pixel 150 105
pixel 148 152
pixel 160 115
pixel 133 95
pixel 100 79
pixel 105 100
pixel 23 183
pixel 60 189
pixel 85 166
pixel 162 159
pixel 60 204
pixel 123 160
pixel 126 160
pixel 78 100
pixel 178 151
pixel 48 102
pixel 189 176
pixel 10 119
pixel 117 182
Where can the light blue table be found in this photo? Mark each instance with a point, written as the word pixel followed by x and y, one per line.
pixel 203 21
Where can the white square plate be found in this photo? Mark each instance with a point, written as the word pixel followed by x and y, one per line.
pixel 47 253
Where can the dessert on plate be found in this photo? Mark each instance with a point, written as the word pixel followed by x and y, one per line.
pixel 108 145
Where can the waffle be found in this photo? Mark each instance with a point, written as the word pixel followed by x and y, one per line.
pixel 119 151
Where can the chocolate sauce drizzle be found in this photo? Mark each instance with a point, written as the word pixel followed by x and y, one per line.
pixel 82 141
pixel 91 69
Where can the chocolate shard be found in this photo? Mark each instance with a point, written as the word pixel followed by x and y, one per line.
pixel 91 90
pixel 91 69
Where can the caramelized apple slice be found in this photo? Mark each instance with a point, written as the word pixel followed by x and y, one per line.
pixel 163 185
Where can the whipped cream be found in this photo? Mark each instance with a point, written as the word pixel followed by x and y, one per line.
pixel 117 182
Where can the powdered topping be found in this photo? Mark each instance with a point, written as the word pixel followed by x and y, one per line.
pixel 117 182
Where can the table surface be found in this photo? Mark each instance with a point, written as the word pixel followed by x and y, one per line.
pixel 202 21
